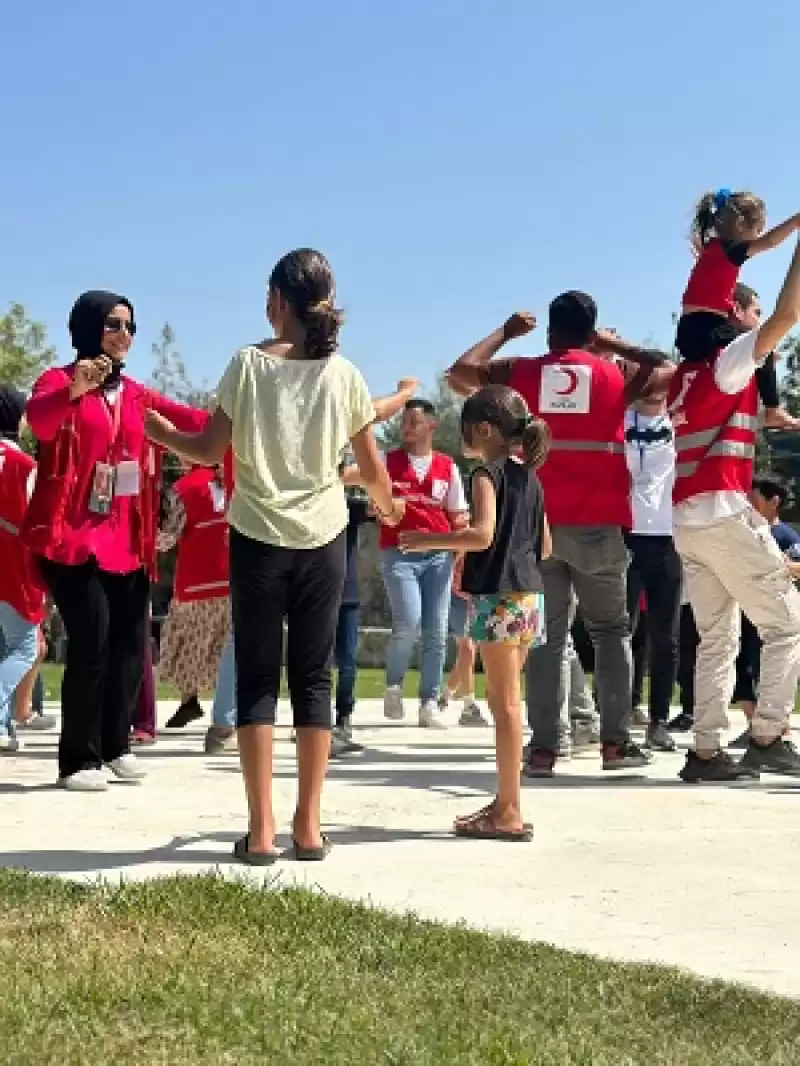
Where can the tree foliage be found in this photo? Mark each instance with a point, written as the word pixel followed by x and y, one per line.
pixel 24 352
pixel 170 376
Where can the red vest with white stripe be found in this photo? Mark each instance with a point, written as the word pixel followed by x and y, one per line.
pixel 425 500
pixel 581 397
pixel 715 432
pixel 201 569
pixel 20 585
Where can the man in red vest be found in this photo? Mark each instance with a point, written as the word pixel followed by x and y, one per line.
pixel 730 558
pixel 418 586
pixel 21 594
pixel 586 492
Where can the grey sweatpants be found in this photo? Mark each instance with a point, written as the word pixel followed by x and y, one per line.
pixel 590 563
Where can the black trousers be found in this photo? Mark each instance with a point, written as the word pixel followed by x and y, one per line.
pixel 748 664
pixel 304 587
pixel 105 621
pixel 655 569
pixel 640 647
pixel 689 642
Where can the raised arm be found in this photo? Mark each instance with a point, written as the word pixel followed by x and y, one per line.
pixel 471 370
pixel 774 237
pixel 206 448
pixel 186 419
pixel 786 314
pixel 647 371
pixel 50 405
pixel 387 407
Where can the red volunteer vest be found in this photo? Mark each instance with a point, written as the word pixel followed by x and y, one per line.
pixel 715 432
pixel 585 479
pixel 19 583
pixel 201 569
pixel 425 500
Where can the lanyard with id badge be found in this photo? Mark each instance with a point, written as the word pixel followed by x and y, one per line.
pixel 112 480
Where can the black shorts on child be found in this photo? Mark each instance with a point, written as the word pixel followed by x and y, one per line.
pixel 702 333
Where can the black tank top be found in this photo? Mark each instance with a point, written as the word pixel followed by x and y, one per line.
pixel 511 562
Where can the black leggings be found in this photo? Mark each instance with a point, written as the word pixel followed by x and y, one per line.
pixel 689 642
pixel 702 333
pixel 303 586
pixel 655 569
pixel 767 381
pixel 748 664
pixel 104 616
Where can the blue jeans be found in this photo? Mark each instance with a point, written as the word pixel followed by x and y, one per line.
pixel 345 651
pixel 19 650
pixel 418 587
pixel 223 713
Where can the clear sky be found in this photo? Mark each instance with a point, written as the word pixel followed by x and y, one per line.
pixel 455 159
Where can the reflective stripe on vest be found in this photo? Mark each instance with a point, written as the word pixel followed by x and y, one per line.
pixel 708 436
pixel 608 447
pixel 420 497
pixel 731 449
pixel 208 587
pixel 221 521
pixel 8 528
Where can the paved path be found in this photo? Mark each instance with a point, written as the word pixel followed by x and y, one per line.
pixel 635 868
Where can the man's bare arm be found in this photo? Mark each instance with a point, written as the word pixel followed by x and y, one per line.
pixel 471 370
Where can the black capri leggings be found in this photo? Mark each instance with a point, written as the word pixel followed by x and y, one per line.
pixel 303 586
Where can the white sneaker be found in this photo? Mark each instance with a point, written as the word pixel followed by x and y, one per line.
pixel 84 781
pixel 9 744
pixel 430 717
pixel 127 768
pixel 393 704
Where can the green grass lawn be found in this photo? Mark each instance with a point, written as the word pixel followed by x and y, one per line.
pixel 370 684
pixel 199 971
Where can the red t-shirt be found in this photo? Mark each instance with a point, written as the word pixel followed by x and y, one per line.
pixel 715 274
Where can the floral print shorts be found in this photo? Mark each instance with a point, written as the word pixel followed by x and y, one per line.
pixel 509 618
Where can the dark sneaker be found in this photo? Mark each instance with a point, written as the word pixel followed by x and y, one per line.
pixel 539 763
pixel 681 723
pixel 659 738
pixel 627 756
pixel 721 769
pixel 779 757
pixel 188 712
pixel 343 744
pixel 742 743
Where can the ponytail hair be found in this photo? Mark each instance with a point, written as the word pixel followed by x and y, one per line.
pixel 305 280
pixel 723 214
pixel 504 408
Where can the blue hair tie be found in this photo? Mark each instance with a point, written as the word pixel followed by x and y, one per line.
pixel 721 198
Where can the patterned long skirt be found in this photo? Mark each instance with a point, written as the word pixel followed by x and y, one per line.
pixel 194 636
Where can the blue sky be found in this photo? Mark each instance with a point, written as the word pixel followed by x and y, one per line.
pixel 455 159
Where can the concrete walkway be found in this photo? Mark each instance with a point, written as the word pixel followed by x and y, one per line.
pixel 639 867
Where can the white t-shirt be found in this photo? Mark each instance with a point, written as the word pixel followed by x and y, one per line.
pixel 455 500
pixel 650 455
pixel 732 372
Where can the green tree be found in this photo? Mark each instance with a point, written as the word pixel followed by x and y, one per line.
pixel 170 376
pixel 24 352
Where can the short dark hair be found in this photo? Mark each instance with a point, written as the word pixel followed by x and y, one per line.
pixel 770 486
pixel 573 315
pixel 744 296
pixel 420 404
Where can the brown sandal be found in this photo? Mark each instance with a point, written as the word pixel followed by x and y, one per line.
pixel 483 827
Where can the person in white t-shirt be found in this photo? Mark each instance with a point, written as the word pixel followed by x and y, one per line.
pixel 655 567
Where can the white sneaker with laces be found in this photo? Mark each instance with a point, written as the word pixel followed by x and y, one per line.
pixel 393 704
pixel 430 717
pixel 127 768
pixel 84 781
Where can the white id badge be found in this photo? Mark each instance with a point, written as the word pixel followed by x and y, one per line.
pixel 102 494
pixel 217 497
pixel 127 483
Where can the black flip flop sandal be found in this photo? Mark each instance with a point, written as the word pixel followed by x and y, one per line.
pixel 303 854
pixel 482 828
pixel 242 852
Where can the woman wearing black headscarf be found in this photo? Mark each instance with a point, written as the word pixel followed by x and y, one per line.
pixel 92 525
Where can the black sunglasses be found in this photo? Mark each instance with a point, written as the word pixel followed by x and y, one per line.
pixel 114 324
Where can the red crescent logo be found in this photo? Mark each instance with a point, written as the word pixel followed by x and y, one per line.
pixel 573 382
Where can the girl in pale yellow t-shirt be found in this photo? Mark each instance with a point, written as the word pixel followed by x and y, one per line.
pixel 288 407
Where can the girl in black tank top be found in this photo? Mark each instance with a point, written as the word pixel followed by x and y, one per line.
pixel 505 541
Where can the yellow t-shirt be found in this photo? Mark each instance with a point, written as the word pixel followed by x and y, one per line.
pixel 291 420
